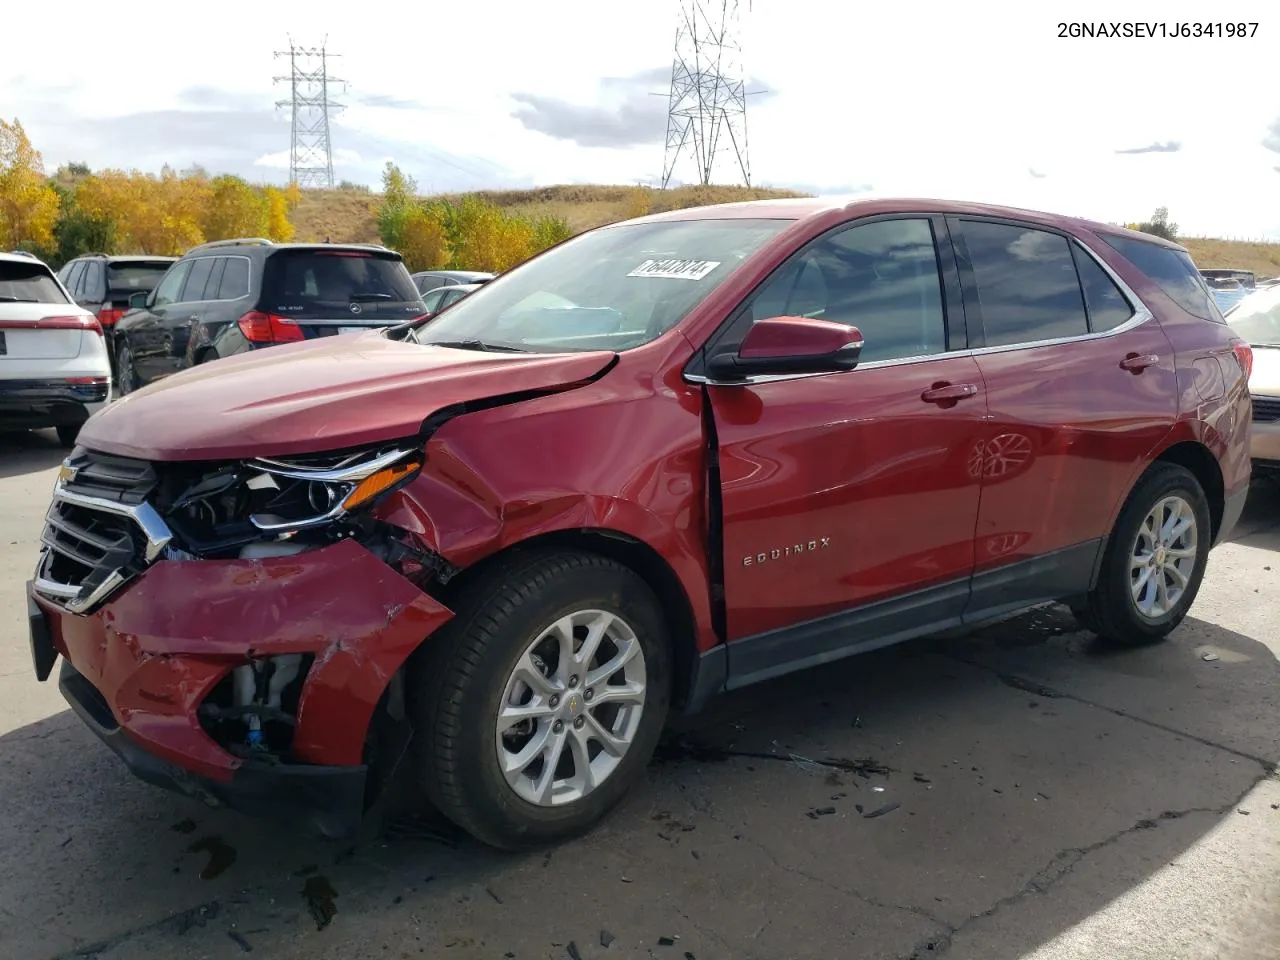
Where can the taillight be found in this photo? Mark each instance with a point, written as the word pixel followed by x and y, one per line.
pixel 259 327
pixel 1244 354
pixel 70 323
pixel 108 316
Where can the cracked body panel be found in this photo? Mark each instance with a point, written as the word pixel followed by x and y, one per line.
pixel 154 656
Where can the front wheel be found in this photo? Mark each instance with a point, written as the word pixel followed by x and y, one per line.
pixel 540 704
pixel 1154 562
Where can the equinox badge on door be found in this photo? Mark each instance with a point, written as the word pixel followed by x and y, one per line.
pixel 778 553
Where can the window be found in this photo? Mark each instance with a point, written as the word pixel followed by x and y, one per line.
pixel 129 277
pixel 172 283
pixel 432 299
pixel 1106 305
pixel 28 282
pixel 1172 271
pixel 1027 284
pixel 65 273
pixel 880 277
pixel 235 279
pixel 91 286
pixel 614 288
pixel 73 279
pixel 197 279
pixel 212 289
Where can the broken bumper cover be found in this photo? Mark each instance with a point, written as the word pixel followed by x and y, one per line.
pixel 324 800
pixel 139 667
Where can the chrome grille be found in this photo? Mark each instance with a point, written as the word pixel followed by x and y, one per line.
pixel 1266 409
pixel 100 531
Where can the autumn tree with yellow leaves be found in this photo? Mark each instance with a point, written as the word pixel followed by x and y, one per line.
pixel 28 203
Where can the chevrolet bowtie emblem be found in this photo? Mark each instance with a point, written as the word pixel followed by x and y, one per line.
pixel 67 473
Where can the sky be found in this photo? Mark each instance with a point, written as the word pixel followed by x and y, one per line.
pixel 974 101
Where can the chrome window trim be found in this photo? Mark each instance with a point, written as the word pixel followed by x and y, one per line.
pixel 222 256
pixel 1141 314
pixel 345 474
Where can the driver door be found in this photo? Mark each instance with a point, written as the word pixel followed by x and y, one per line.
pixel 849 499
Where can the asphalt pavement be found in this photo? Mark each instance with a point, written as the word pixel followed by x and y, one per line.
pixel 1019 793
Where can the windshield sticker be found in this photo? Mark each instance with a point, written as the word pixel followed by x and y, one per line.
pixel 675 269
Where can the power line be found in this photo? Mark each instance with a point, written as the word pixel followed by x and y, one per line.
pixel 310 148
pixel 707 104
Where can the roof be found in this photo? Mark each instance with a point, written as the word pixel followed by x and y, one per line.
pixel 21 258
pixel 244 245
pixel 452 273
pixel 804 208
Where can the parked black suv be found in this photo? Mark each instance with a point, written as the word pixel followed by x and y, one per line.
pixel 104 283
pixel 229 296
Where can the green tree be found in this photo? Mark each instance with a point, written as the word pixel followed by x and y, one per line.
pixel 424 243
pixel 1159 225
pixel 399 200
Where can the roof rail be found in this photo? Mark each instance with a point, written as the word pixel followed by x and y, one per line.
pixel 235 242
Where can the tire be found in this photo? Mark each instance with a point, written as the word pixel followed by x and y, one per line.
pixel 461 678
pixel 126 375
pixel 67 434
pixel 1111 609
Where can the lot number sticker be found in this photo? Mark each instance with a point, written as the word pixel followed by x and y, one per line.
pixel 675 269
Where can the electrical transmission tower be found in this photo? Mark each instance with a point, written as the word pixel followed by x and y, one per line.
pixel 707 106
pixel 310 151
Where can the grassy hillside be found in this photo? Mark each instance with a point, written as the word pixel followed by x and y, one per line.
pixel 1262 258
pixel 351 215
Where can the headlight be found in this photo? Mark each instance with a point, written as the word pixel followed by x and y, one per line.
pixel 334 486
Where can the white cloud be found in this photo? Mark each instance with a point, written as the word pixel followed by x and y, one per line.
pixel 981 102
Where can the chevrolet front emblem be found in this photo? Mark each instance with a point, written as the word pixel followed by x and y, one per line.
pixel 67 473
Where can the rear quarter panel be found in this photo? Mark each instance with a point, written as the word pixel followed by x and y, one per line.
pixel 1212 410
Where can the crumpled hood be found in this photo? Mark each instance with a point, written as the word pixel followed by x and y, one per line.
pixel 321 395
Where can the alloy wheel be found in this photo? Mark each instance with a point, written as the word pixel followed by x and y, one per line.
pixel 571 708
pixel 1163 558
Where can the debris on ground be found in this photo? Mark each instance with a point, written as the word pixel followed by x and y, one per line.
pixel 667 941
pixel 572 950
pixel 489 891
pixel 319 894
pixel 241 942
pixel 817 812
pixel 881 811
pixel 920 778
pixel 606 938
pixel 1209 657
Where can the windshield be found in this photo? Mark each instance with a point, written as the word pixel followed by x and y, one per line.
pixel 611 289
pixel 1256 318
pixel 313 283
pixel 132 277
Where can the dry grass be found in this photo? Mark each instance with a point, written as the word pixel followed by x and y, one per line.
pixel 1262 258
pixel 351 215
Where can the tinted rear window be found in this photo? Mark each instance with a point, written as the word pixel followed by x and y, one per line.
pixel 314 279
pixel 32 282
pixel 1173 272
pixel 132 277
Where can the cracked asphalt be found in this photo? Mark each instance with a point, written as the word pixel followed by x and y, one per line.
pixel 1019 793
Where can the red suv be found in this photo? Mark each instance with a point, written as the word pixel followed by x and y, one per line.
pixel 664 459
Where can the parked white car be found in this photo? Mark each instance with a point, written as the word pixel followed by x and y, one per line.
pixel 54 369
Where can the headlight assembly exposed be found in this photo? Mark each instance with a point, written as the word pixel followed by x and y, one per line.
pixel 334 488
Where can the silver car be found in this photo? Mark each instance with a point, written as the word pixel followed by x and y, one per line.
pixel 1256 319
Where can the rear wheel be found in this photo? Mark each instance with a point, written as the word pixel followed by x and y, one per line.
pixel 540 704
pixel 126 375
pixel 1154 562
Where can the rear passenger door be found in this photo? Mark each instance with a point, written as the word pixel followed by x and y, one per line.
pixel 1080 383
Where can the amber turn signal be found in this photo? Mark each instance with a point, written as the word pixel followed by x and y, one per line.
pixel 379 482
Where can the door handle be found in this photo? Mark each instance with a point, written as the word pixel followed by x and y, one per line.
pixel 949 392
pixel 1136 363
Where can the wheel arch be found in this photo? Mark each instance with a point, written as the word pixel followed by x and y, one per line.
pixel 1199 459
pixel 628 551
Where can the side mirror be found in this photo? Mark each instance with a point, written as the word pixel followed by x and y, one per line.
pixel 783 345
pixel 138 299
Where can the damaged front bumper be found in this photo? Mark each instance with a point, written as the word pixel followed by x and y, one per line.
pixel 140 668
